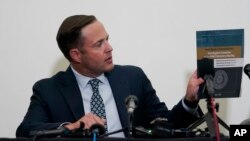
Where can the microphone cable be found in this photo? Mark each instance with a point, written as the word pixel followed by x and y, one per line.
pixel 114 132
pixel 94 136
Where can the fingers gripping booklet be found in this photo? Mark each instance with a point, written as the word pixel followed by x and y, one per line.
pixel 220 53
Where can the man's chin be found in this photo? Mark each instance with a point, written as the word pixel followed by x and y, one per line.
pixel 109 68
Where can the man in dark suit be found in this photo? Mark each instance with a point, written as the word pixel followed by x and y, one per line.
pixel 66 98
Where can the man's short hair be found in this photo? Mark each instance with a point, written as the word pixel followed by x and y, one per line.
pixel 68 35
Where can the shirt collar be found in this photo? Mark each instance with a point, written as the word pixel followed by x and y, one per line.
pixel 83 80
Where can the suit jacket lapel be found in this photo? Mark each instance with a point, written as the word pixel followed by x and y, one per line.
pixel 120 88
pixel 72 94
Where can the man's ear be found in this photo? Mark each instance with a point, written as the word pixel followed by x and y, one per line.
pixel 75 55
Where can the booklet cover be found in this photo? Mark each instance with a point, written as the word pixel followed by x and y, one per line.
pixel 220 54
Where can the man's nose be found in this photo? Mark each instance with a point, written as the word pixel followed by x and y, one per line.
pixel 108 46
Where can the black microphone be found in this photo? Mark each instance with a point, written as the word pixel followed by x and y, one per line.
pixel 131 103
pixel 245 122
pixel 55 132
pixel 97 129
pixel 247 70
pixel 205 66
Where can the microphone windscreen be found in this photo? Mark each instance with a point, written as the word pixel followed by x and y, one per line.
pixel 205 66
pixel 245 122
pixel 97 128
pixel 131 97
pixel 247 70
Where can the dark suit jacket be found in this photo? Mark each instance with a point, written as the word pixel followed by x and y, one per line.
pixel 58 99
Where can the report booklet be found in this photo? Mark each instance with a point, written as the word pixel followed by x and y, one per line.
pixel 220 54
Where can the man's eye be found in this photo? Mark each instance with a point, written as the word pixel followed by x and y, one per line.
pixel 101 42
pixel 98 44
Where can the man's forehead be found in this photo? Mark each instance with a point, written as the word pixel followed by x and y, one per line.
pixel 94 31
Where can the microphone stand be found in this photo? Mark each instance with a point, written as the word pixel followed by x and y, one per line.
pixel 130 125
pixel 208 117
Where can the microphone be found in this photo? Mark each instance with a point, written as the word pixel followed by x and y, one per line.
pixel 205 67
pixel 209 84
pixel 55 132
pixel 247 70
pixel 97 129
pixel 245 122
pixel 131 103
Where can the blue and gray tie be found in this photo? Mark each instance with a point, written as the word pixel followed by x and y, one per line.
pixel 96 102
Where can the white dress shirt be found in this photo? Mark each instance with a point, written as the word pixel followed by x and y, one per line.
pixel 113 120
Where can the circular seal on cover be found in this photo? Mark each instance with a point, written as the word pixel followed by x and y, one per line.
pixel 220 79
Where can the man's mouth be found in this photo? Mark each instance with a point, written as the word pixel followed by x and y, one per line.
pixel 109 59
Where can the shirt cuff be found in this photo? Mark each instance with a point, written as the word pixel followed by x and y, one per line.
pixel 64 123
